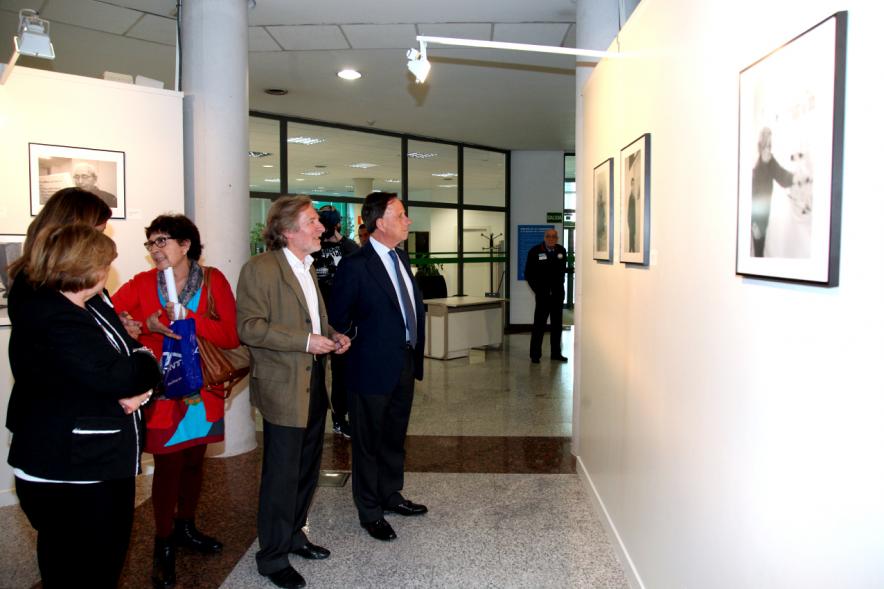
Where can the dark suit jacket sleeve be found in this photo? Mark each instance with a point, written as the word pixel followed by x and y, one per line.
pixel 343 297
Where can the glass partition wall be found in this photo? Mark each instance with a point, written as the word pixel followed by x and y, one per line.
pixel 456 195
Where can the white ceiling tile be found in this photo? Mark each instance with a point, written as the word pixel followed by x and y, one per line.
pixel 307 37
pixel 481 31
pixel 534 33
pixel 381 36
pixel 156 7
pixel 154 28
pixel 91 15
pixel 260 40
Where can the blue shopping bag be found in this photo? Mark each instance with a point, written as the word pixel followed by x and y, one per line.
pixel 182 373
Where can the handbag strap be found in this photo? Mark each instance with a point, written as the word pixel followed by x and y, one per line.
pixel 210 301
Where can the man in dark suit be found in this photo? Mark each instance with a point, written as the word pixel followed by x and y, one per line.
pixel 377 303
pixel 282 319
pixel 545 273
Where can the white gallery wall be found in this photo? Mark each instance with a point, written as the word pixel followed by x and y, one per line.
pixel 537 186
pixel 37 106
pixel 731 428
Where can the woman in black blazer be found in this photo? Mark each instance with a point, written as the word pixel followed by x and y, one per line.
pixel 75 407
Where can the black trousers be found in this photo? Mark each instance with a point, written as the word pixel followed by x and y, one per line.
pixel 379 423
pixel 338 386
pixel 547 305
pixel 82 530
pixel 289 473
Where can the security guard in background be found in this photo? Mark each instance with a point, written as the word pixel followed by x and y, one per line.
pixel 545 273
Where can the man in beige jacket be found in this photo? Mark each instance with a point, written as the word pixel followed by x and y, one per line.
pixel 283 321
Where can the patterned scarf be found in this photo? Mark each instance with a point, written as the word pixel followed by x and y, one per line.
pixel 193 284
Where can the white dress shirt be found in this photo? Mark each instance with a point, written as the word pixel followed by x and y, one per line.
pixel 383 253
pixel 302 273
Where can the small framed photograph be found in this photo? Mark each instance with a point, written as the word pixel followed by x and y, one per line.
pixel 603 211
pixel 635 201
pixel 790 158
pixel 101 172
pixel 10 251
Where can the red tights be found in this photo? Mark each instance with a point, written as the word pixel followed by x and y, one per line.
pixel 177 479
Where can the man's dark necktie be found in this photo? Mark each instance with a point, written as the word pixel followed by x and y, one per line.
pixel 405 301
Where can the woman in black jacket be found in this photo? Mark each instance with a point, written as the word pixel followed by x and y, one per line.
pixel 75 408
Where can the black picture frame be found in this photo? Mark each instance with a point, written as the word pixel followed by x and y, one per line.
pixel 603 211
pixel 635 201
pixel 791 145
pixel 53 167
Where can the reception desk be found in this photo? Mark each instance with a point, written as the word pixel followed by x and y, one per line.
pixel 456 324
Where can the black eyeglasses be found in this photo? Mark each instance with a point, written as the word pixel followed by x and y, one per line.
pixel 160 242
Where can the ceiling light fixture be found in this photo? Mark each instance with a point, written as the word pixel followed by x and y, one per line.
pixel 444 175
pixel 421 156
pixel 314 173
pixel 267 166
pixel 259 154
pixel 363 165
pixel 32 40
pixel 349 74
pixel 276 91
pixel 418 64
pixel 305 140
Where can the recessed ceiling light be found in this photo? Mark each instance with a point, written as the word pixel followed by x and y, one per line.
pixel 299 179
pixel 349 186
pixel 267 166
pixel 305 140
pixel 314 173
pixel 392 181
pixel 445 175
pixel 349 74
pixel 363 165
pixel 421 156
pixel 276 91
pixel 447 185
pixel 271 180
pixel 259 154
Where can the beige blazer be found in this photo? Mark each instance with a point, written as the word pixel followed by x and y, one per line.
pixel 272 319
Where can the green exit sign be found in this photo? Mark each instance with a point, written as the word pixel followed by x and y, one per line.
pixel 554 217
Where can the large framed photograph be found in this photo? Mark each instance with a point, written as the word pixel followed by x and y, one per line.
pixel 10 251
pixel 603 211
pixel 790 158
pixel 101 172
pixel 635 201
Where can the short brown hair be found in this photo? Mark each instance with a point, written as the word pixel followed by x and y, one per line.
pixel 65 207
pixel 283 216
pixel 69 258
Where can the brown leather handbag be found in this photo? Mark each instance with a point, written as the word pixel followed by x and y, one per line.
pixel 222 369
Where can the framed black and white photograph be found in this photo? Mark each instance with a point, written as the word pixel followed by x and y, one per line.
pixel 10 251
pixel 603 211
pixel 635 201
pixel 790 158
pixel 101 172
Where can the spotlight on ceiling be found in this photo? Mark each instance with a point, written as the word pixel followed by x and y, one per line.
pixel 349 74
pixel 418 64
pixel 32 40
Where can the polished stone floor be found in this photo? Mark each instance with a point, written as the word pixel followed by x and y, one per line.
pixel 488 450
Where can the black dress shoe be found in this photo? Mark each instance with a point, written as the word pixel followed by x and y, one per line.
pixel 408 508
pixel 287 578
pixel 311 551
pixel 560 358
pixel 379 530
pixel 187 536
pixel 163 575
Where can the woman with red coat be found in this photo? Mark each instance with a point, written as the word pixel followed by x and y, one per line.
pixel 178 430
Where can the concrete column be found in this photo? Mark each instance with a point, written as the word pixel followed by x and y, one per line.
pixel 214 77
pixel 362 186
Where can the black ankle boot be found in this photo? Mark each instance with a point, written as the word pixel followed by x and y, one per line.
pixel 163 563
pixel 187 535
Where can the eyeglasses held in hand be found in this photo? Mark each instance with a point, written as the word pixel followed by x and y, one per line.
pixel 160 242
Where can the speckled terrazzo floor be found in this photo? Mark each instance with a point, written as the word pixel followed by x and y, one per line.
pixel 488 451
